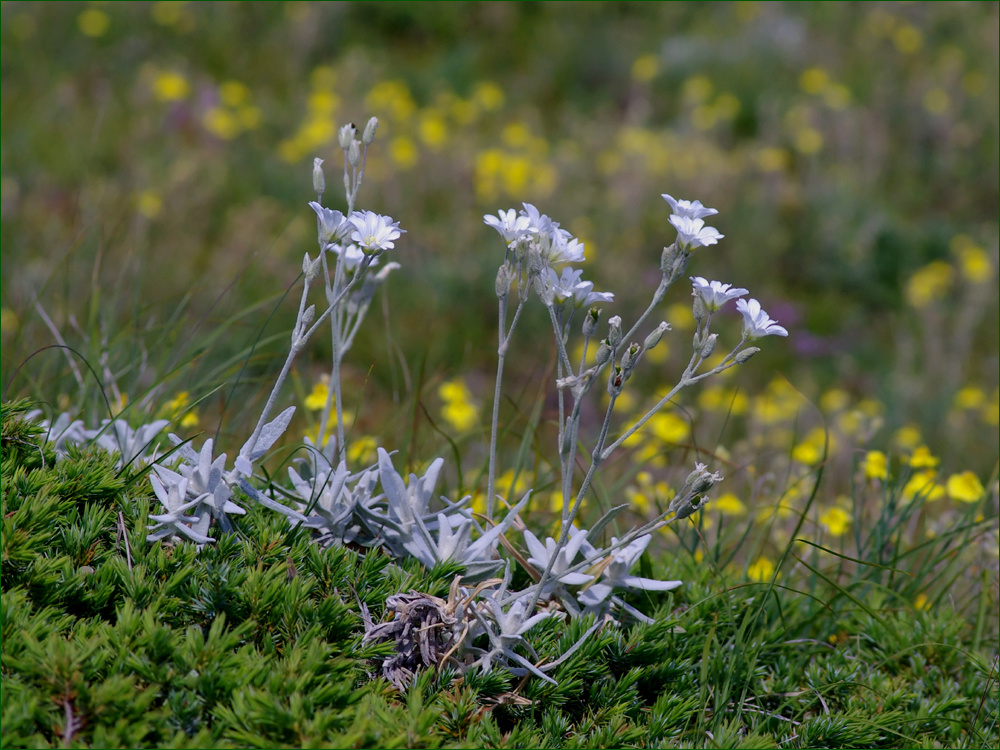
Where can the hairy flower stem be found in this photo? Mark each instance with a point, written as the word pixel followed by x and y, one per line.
pixel 299 340
pixel 504 337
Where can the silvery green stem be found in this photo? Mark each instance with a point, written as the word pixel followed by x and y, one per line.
pixel 567 521
pixel 504 336
pixel 298 342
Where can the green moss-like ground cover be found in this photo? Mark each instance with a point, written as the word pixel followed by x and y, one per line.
pixel 109 641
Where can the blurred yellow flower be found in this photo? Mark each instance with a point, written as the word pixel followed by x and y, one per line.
pixel 907 39
pixel 991 412
pixel 936 101
pixel 513 494
pixel 149 203
pixel 93 22
pixel 922 602
pixel 929 283
pixel 515 135
pixel 772 159
pixel 248 117
pixel 392 98
pixel 316 399
pixel 361 451
pixel 810 451
pixel 645 68
pixel 403 151
pixel 8 320
pixel 704 117
pixel 233 93
pixel 876 465
pixel 923 484
pixel 668 427
pixel 169 86
pixel 488 95
pixel 167 12
pixel 813 80
pixel 965 487
pixel 970 397
pixel 459 410
pixel 835 520
pixel 837 96
pixel 221 123
pixel 922 458
pixel 175 406
pixel 718 398
pixel 975 264
pixel 729 505
pixel 698 88
pixel 679 316
pixel 907 437
pixel 761 570
pixel 433 130
pixel 833 400
pixel 808 141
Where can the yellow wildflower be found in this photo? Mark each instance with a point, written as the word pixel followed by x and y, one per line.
pixel 876 465
pixel 936 101
pixel 835 521
pixel 316 399
pixel 813 80
pixel 965 487
pixel 929 283
pixel 403 151
pixel 169 86
pixel 362 451
pixel 729 505
pixel 761 570
pixel 924 485
pixel 922 458
pixel 459 410
pixel 94 22
pixel 922 602
pixel 907 437
pixel 975 264
pixel 645 68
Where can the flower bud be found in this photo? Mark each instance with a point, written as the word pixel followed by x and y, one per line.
pixel 745 355
pixel 369 135
pixel 616 381
pixel 615 331
pixel 503 281
pixel 308 315
pixel 345 136
pixel 630 358
pixel 654 338
pixel 709 346
pixel 306 264
pixel 603 352
pixel 698 308
pixel 354 154
pixel 696 341
pixel 590 321
pixel 319 179
pixel 667 258
pixel 689 507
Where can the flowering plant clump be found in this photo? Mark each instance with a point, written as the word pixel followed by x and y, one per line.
pixel 484 621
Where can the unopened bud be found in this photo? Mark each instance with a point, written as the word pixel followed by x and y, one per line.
pixel 696 341
pixel 590 321
pixel 709 346
pixel 654 338
pixel 745 355
pixel 354 154
pixel 503 281
pixel 616 381
pixel 667 258
pixel 319 179
pixel 603 352
pixel 369 135
pixel 345 136
pixel 306 264
pixel 308 315
pixel 630 357
pixel 689 508
pixel 698 308
pixel 615 331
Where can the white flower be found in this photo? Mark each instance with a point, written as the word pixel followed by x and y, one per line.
pixel 714 293
pixel 332 224
pixel 690 209
pixel 693 232
pixel 755 321
pixel 352 255
pixel 569 286
pixel 374 232
pixel 540 556
pixel 509 224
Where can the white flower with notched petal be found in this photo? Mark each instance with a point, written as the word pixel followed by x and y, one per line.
pixel 714 293
pixel 691 209
pixel 692 233
pixel 332 225
pixel 510 226
pixel 756 323
pixel 373 232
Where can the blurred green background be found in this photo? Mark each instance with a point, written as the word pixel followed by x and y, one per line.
pixel 156 162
